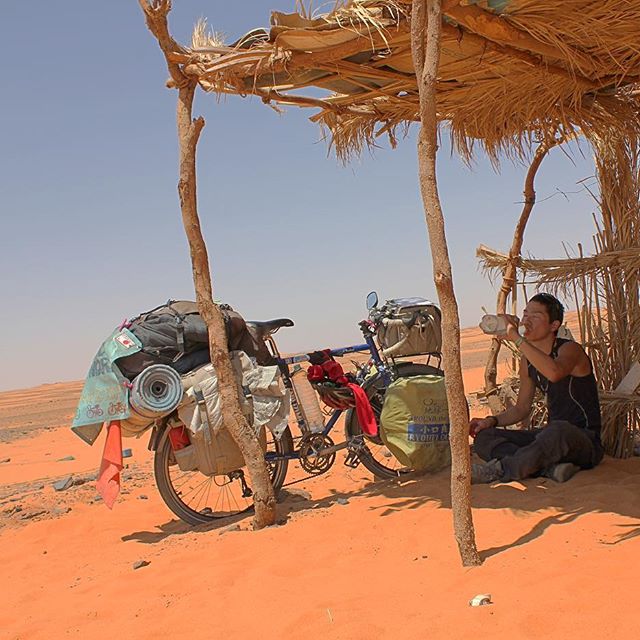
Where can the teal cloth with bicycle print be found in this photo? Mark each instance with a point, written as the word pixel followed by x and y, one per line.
pixel 414 423
pixel 105 395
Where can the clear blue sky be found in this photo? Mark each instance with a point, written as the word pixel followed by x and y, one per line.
pixel 89 214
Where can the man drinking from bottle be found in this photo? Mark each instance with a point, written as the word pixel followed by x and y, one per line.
pixel 561 369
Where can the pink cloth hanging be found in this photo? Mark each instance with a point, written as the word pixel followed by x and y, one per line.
pixel 108 484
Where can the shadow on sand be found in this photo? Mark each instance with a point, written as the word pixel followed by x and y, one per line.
pixel 610 488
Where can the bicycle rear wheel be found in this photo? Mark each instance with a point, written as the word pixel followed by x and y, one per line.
pixel 198 499
pixel 374 455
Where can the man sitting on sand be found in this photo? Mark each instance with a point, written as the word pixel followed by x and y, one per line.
pixel 563 372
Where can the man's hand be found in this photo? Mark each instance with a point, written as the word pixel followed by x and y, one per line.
pixel 513 322
pixel 476 425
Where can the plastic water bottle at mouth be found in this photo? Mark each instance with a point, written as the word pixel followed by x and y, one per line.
pixel 493 325
pixel 497 325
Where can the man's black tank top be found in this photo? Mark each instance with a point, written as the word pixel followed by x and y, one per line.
pixel 574 398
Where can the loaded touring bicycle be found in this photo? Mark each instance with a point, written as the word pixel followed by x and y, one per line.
pixel 393 402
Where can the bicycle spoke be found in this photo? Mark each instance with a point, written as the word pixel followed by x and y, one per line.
pixel 185 478
pixel 235 502
pixel 202 494
pixel 198 487
pixel 220 495
pixel 208 492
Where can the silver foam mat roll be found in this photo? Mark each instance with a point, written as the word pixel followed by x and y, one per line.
pixel 156 392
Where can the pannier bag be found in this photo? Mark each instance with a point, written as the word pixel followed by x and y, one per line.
pixel 414 423
pixel 175 334
pixel 264 401
pixel 409 327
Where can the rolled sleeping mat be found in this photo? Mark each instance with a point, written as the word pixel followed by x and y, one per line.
pixel 156 392
pixel 136 424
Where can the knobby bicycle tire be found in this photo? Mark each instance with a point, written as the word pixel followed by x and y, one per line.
pixel 374 448
pixel 171 490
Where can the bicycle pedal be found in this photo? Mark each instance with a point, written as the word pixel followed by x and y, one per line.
pixel 352 460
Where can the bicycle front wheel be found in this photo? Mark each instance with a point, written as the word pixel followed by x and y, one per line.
pixel 199 499
pixel 374 455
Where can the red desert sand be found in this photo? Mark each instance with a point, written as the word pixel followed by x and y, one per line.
pixel 560 561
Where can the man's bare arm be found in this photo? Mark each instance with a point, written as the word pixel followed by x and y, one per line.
pixel 522 408
pixel 554 369
pixel 514 414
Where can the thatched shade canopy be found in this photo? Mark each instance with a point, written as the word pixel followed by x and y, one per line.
pixel 510 70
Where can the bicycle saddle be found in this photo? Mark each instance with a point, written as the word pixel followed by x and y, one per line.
pixel 265 329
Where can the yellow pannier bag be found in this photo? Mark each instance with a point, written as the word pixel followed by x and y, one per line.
pixel 414 424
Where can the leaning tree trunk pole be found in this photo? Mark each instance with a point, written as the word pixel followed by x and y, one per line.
pixel 188 133
pixel 509 274
pixel 426 23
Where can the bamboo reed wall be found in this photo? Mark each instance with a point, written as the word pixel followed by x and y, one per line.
pixel 609 296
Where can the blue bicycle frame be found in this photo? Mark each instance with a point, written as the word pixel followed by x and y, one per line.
pixel 375 360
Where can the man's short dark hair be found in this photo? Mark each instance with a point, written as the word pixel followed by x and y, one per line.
pixel 554 307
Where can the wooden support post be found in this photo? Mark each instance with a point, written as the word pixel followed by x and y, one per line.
pixel 509 273
pixel 426 25
pixel 188 134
